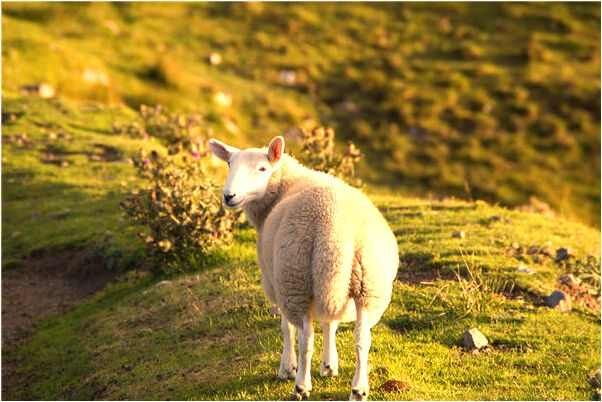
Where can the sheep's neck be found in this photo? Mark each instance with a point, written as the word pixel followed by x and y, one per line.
pixel 257 211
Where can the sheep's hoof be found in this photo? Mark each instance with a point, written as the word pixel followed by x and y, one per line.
pixel 287 373
pixel 358 394
pixel 328 371
pixel 301 392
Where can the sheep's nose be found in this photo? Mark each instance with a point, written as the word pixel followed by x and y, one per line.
pixel 228 197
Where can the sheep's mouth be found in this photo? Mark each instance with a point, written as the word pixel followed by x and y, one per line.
pixel 236 204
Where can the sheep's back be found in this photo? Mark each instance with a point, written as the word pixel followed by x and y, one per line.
pixel 322 245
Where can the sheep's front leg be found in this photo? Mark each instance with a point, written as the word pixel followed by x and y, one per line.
pixel 330 362
pixel 288 362
pixel 306 350
pixel 360 386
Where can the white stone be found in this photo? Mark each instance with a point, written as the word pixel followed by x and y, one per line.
pixel 215 59
pixel 474 339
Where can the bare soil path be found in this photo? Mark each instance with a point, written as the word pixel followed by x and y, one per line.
pixel 47 284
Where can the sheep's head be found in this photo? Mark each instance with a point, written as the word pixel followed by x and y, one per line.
pixel 250 170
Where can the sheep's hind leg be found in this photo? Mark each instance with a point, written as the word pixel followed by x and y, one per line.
pixel 306 350
pixel 360 386
pixel 288 362
pixel 330 362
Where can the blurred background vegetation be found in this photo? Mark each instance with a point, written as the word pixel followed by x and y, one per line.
pixel 484 101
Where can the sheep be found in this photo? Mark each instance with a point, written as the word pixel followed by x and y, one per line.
pixel 325 252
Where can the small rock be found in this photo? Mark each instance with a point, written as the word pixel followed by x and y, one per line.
pixel 460 234
pixel 547 251
pixel 46 91
pixel 570 280
pixel 215 59
pixel 394 386
pixel 223 98
pixel 563 253
pixel 43 90
pixel 94 77
pixel 533 250
pixel 287 77
pixel 474 339
pixel 163 283
pixel 17 233
pixel 558 300
pixel 514 245
pixel 526 270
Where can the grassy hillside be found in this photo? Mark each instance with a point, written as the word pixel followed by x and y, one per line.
pixel 496 101
pixel 492 102
pixel 209 335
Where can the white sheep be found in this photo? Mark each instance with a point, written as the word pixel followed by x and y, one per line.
pixel 325 251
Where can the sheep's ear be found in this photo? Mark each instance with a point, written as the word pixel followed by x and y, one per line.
pixel 221 150
pixel 276 149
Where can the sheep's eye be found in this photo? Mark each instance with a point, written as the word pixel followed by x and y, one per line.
pixel 262 169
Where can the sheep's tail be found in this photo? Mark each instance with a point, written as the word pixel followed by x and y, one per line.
pixel 332 261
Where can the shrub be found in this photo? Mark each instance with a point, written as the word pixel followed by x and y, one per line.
pixel 158 122
pixel 318 152
pixel 181 209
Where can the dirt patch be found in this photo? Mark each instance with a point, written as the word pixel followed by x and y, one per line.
pixel 427 277
pixel 394 386
pixel 104 153
pixel 47 284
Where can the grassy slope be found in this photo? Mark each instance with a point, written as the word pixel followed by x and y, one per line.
pixel 128 344
pixel 502 97
pixel 209 335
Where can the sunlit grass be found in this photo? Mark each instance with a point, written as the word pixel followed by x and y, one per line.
pixel 493 102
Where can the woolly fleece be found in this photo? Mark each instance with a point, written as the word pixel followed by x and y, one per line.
pixel 321 245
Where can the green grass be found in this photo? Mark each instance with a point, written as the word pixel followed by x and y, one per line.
pixel 48 206
pixel 495 102
pixel 208 335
